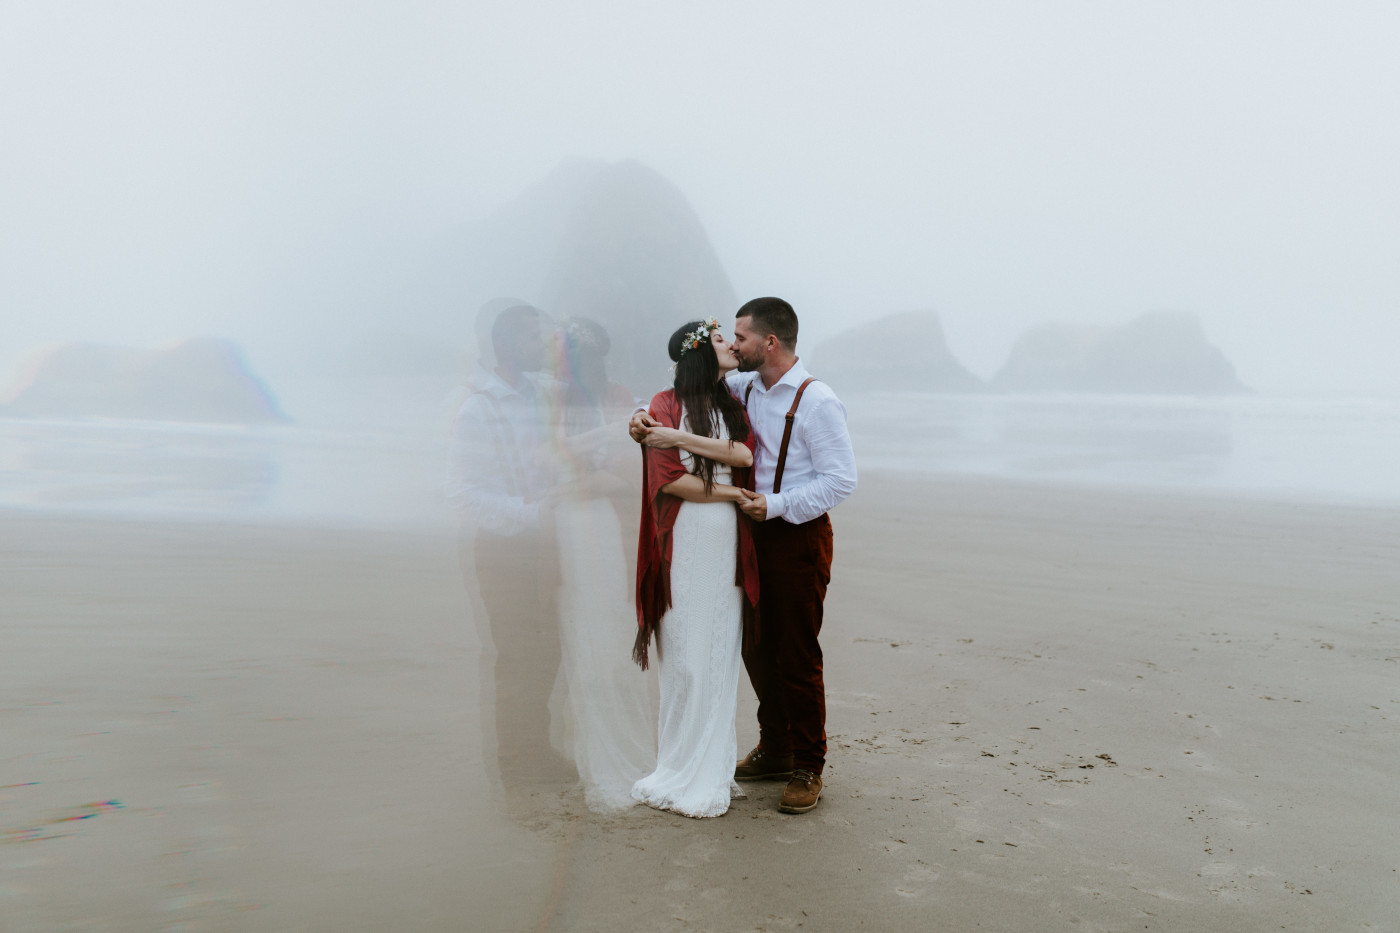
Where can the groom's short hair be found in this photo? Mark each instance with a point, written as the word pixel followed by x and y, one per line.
pixel 510 325
pixel 772 316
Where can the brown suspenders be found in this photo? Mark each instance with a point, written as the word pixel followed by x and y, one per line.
pixel 787 428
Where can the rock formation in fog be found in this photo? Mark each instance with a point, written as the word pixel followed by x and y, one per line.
pixel 899 352
pixel 1163 352
pixel 617 243
pixel 634 257
pixel 203 380
pixel 508 252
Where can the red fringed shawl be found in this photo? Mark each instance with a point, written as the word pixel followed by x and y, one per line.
pixel 659 511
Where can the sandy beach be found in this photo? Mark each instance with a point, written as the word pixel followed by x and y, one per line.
pixel 1049 709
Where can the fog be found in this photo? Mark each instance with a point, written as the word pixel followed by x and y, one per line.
pixel 318 618
pixel 276 173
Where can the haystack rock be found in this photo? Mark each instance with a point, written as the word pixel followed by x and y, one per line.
pixel 634 257
pixel 1160 353
pixel 614 242
pixel 510 251
pixel 900 352
pixel 200 380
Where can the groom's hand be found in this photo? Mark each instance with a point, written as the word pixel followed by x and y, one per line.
pixel 639 425
pixel 755 506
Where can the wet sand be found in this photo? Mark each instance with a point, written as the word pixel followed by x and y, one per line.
pixel 1049 709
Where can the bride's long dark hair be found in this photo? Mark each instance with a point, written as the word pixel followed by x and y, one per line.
pixel 705 397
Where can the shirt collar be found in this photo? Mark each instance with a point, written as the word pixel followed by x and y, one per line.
pixel 498 388
pixel 793 377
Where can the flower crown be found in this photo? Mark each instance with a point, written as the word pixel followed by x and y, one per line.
pixel 584 337
pixel 699 335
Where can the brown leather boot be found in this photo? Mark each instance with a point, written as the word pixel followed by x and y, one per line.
pixel 802 792
pixel 759 765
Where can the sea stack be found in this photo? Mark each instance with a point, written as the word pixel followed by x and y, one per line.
pixel 1160 353
pixel 195 380
pixel 634 257
pixel 903 352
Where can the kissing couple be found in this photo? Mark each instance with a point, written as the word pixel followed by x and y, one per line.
pixel 742 459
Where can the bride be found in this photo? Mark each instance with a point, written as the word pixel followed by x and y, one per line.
pixel 697 575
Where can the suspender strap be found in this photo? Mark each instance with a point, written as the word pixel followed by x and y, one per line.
pixel 787 432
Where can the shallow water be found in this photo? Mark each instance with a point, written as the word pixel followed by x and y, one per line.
pixel 1319 450
pixel 282 473
pixel 390 473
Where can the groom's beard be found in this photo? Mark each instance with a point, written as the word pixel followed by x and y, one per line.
pixel 746 365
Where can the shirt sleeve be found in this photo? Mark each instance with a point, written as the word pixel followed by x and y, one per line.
pixel 828 442
pixel 476 487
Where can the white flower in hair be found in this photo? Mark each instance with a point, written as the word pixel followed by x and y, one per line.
pixel 699 335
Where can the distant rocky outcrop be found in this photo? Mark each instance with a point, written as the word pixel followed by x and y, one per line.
pixel 614 242
pixel 634 257
pixel 900 352
pixel 1160 353
pixel 200 380
pixel 510 251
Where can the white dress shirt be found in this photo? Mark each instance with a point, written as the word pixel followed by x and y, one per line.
pixel 499 464
pixel 820 471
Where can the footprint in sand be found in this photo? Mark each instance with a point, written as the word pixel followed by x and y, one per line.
pixel 796 831
pixel 697 853
pixel 1239 814
pixel 970 827
pixel 915 882
pixel 1224 880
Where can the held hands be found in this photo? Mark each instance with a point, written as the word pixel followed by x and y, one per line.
pixel 662 437
pixel 754 505
pixel 640 424
pixel 644 429
pixel 647 430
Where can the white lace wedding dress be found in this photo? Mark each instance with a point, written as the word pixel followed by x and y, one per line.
pixel 701 637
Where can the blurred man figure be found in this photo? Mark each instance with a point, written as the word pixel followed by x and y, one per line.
pixel 500 474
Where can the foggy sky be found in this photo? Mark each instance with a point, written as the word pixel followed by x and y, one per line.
pixel 264 171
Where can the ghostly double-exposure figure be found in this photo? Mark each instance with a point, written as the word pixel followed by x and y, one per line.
pixel 543 474
pixel 596 523
pixel 501 474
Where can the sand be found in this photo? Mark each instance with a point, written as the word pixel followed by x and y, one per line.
pixel 1050 709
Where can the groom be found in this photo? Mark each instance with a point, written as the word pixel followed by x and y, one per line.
pixel 804 466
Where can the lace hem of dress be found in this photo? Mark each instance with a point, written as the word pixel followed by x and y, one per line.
pixel 716 806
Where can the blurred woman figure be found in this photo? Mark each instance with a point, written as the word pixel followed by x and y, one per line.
pixel 614 731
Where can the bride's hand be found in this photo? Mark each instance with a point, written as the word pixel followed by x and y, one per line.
pixel 662 437
pixel 639 424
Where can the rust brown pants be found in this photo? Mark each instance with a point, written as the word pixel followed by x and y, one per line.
pixel 785 666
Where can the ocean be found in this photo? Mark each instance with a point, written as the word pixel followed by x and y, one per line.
pixel 1340 450
pixel 389 472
